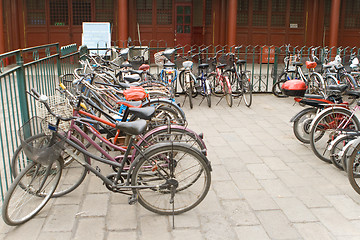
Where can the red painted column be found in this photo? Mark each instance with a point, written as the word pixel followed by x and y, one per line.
pixel 123 24
pixel 314 27
pixel 2 41
pixel 232 23
pixel 223 22
pixel 334 22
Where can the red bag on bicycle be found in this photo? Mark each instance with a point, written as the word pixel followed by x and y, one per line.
pixel 296 88
pixel 135 94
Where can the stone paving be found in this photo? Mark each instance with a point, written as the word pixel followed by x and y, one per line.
pixel 265 185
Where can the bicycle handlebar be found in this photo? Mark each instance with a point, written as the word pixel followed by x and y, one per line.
pixel 43 99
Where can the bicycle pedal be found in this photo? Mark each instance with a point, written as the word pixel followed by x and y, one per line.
pixel 132 200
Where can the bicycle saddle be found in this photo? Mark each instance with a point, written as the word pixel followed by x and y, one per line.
pixel 240 61
pixel 132 78
pixel 313 96
pixel 133 104
pixel 203 65
pixel 297 64
pixel 339 88
pixel 169 65
pixel 125 65
pixel 137 71
pixel 145 113
pixel 221 65
pixel 133 128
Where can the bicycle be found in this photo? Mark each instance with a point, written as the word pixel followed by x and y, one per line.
pixel 221 86
pixel 239 79
pixel 324 126
pixel 157 164
pixel 314 81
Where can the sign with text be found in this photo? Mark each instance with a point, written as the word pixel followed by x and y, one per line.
pixel 96 35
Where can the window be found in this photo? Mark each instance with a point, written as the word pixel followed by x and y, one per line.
pixel 35 14
pixel 242 13
pixel 297 13
pixel 81 11
pixel 278 13
pixel 327 13
pixel 352 15
pixel 260 12
pixel 104 11
pixel 144 11
pixel 208 9
pixel 59 12
pixel 164 12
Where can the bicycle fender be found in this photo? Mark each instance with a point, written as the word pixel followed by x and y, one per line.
pixel 301 113
pixel 327 110
pixel 349 147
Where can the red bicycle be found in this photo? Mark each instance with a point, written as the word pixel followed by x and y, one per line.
pixel 221 86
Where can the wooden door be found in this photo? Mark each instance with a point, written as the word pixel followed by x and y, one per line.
pixel 183 23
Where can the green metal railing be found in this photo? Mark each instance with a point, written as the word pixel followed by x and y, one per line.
pixel 39 68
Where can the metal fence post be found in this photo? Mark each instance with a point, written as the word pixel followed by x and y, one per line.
pixel 20 75
pixel 58 62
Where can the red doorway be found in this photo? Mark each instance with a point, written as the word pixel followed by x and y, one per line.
pixel 183 23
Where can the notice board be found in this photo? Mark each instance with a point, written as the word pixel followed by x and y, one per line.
pixel 96 35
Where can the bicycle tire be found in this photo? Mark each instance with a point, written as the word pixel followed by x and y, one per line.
pixel 331 80
pixel 302 123
pixel 349 80
pixel 189 93
pixel 326 124
pixel 73 174
pixel 316 84
pixel 353 172
pixel 247 89
pixel 215 84
pixel 227 91
pixel 235 82
pixel 173 134
pixel 14 213
pixel 195 178
pixel 276 89
pixel 337 146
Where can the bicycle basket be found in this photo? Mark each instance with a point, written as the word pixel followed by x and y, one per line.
pixel 37 145
pixel 159 58
pixel 225 59
pixel 58 105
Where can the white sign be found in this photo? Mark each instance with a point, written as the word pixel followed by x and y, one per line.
pixel 293 25
pixel 96 35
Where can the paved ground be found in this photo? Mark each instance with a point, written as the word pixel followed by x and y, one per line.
pixel 265 185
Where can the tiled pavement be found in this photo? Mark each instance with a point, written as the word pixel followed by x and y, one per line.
pixel 265 185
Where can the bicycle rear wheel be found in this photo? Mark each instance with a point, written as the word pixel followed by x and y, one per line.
pixel 30 192
pixel 177 178
pixel 323 130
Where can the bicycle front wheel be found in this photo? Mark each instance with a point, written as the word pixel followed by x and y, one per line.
pixel 246 89
pixel 30 192
pixel 173 178
pixel 324 128
pixel 73 173
pixel 353 169
pixel 276 89
pixel 227 91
